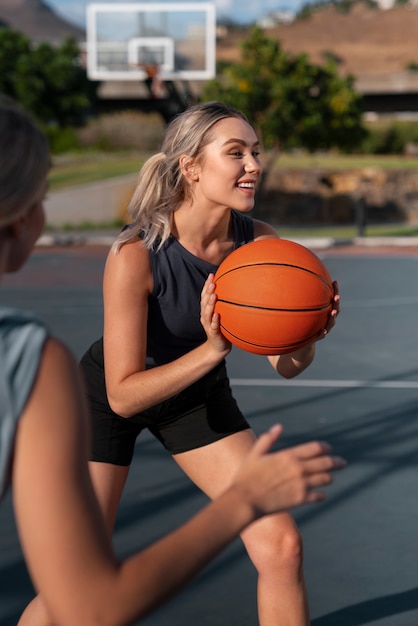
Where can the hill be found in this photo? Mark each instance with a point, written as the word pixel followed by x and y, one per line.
pixel 366 41
pixel 37 21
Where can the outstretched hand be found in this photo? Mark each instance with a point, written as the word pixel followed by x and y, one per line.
pixel 278 481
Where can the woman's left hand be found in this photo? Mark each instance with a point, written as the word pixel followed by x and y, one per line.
pixel 334 312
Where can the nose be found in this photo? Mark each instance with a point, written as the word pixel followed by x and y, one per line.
pixel 252 164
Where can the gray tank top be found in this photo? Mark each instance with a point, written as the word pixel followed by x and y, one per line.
pixel 174 326
pixel 22 338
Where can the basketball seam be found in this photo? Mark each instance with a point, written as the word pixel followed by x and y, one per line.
pixel 268 308
pixel 267 346
pixel 274 264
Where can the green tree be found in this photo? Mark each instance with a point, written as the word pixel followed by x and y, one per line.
pixel 47 80
pixel 292 102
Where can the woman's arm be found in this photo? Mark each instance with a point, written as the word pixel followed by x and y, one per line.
pixel 131 388
pixel 62 530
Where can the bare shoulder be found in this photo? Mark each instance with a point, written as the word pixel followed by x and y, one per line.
pixel 262 230
pixel 130 263
pixel 58 387
pixel 58 357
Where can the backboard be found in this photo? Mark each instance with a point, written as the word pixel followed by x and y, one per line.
pixel 125 40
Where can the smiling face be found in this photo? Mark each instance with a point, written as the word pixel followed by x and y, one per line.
pixel 229 166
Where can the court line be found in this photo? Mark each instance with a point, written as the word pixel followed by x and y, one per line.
pixel 369 384
pixel 370 302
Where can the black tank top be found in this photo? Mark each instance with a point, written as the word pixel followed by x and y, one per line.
pixel 174 326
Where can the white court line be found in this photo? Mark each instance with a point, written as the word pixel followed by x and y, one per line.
pixel 373 384
pixel 370 302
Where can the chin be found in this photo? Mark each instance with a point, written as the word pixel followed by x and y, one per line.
pixel 244 209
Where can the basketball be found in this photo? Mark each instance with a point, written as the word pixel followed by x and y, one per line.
pixel 273 296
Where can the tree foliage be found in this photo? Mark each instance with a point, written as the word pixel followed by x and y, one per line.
pixel 47 80
pixel 292 102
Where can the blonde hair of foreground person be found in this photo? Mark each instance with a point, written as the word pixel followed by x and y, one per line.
pixel 61 529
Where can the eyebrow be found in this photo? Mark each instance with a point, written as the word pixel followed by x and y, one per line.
pixel 241 142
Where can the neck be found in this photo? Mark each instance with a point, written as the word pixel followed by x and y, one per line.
pixel 203 227
pixel 210 238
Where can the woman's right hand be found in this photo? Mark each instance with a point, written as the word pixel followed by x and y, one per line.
pixel 277 481
pixel 210 319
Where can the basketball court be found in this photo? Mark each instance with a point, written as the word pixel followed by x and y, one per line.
pixel 360 394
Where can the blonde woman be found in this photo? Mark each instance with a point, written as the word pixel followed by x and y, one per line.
pixel 161 363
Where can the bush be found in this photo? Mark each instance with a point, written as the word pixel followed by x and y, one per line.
pixel 62 139
pixel 391 137
pixel 127 130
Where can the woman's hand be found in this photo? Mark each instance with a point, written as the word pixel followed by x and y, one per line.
pixel 276 481
pixel 334 312
pixel 210 320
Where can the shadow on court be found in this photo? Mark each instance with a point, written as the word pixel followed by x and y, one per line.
pixel 372 610
pixel 360 394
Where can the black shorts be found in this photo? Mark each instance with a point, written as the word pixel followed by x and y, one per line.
pixel 201 414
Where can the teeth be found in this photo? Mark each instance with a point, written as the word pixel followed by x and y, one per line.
pixel 246 185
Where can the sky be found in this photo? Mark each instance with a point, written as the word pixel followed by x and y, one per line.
pixel 241 11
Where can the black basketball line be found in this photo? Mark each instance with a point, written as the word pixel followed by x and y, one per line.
pixel 275 264
pixel 282 346
pixel 267 308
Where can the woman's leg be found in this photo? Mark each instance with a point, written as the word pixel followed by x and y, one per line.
pixel 273 543
pixel 108 482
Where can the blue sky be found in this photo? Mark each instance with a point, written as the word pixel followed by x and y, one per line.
pixel 237 10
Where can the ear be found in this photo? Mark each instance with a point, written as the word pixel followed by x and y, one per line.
pixel 18 228
pixel 189 168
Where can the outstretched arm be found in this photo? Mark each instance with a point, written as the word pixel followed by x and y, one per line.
pixel 62 530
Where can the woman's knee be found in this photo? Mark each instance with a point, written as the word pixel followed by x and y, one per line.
pixel 275 543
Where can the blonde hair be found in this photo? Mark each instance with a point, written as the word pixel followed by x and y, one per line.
pixel 24 161
pixel 161 187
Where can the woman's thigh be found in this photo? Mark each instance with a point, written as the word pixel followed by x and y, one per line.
pixel 212 467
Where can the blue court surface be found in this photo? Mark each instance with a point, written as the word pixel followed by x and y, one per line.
pixel 360 394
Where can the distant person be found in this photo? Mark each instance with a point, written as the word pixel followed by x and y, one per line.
pixel 44 446
pixel 161 362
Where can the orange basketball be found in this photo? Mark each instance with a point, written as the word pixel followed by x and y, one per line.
pixel 273 296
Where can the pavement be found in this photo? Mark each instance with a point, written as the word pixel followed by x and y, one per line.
pixel 97 203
